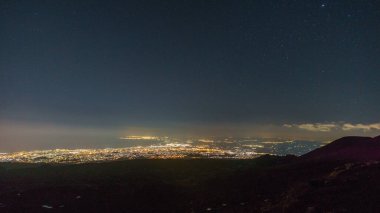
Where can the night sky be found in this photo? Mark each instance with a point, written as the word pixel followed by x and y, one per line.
pixel 95 70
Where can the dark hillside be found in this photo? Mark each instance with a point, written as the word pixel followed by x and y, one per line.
pixel 348 148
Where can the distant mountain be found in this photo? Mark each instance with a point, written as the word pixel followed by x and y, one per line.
pixel 348 148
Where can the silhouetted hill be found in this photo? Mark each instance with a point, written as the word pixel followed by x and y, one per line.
pixel 348 148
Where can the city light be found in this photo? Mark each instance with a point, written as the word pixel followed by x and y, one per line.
pixel 167 148
pixel 139 138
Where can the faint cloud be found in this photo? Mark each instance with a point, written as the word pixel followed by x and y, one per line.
pixel 316 127
pixel 328 127
pixel 364 127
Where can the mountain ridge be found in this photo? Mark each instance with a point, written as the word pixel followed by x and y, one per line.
pixel 354 148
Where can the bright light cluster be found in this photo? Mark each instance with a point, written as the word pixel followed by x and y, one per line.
pixel 169 151
pixel 151 147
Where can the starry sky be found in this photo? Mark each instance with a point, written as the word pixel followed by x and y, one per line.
pixel 94 70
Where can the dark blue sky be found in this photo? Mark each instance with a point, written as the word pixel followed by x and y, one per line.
pixel 155 64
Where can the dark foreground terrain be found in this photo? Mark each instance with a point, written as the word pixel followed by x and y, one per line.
pixel 309 183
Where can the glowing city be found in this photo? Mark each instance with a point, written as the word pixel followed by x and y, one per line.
pixel 168 148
